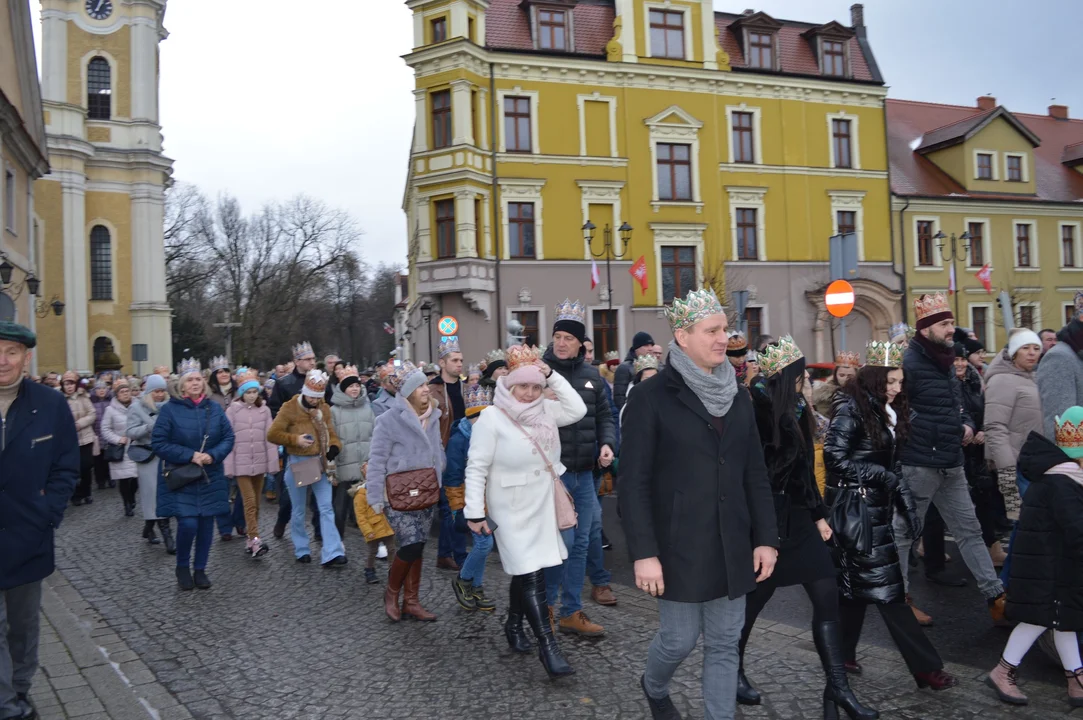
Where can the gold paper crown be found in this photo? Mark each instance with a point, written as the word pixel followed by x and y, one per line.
pixel 520 355
pixel 494 356
pixel 432 369
pixel 385 370
pixel 900 330
pixel 779 355
pixel 473 370
pixel 573 311
pixel 350 371
pixel 399 374
pixel 246 376
pixel 644 362
pixel 302 350
pixel 1069 435
pixel 219 363
pixel 737 342
pixel 883 354
pixel 928 305
pixel 848 358
pixel 696 306
pixel 316 381
pixel 478 397
pixel 191 365
pixel 611 355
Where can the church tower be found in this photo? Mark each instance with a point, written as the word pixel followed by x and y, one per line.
pixel 100 210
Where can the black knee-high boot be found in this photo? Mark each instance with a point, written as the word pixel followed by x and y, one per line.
pixel 167 536
pixel 837 693
pixel 127 493
pixel 513 627
pixel 148 533
pixel 746 694
pixel 537 614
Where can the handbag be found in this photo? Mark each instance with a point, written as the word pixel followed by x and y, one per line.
pixel 113 453
pixel 141 453
pixel 412 490
pixel 179 476
pixel 306 472
pixel 851 525
pixel 567 518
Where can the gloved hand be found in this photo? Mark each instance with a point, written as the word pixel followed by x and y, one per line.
pixel 378 508
pixel 332 453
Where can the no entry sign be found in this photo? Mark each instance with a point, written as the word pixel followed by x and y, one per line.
pixel 839 298
pixel 448 325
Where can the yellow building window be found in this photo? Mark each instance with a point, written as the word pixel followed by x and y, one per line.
pixel 439 30
pixel 667 34
pixel 674 172
pixel 441 119
pixel 445 229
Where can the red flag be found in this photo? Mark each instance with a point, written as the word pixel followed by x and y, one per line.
pixel 951 279
pixel 983 276
pixel 594 277
pixel 639 272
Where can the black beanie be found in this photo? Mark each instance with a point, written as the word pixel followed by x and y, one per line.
pixel 641 339
pixel 972 346
pixel 348 381
pixel 960 350
pixel 493 367
pixel 574 328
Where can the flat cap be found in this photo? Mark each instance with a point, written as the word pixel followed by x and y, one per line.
pixel 14 332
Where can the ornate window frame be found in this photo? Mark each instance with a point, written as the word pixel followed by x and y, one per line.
pixel 855 142
pixel 849 201
pixel 685 133
pixel 748 198
pixel 682 234
pixel 534 97
pixel 757 133
pixel 522 190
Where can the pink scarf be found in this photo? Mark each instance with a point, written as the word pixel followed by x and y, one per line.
pixel 424 417
pixel 532 416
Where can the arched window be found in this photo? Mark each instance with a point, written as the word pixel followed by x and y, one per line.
pixel 99 88
pixel 101 264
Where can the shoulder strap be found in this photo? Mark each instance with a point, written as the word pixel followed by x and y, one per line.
pixel 533 442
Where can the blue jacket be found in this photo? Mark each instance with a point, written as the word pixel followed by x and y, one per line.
pixel 177 435
pixel 39 467
pixel 458 446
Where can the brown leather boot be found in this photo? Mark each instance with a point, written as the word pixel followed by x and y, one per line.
pixel 411 604
pixel 923 619
pixel 395 578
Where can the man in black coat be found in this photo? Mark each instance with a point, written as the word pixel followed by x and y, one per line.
pixel 39 467
pixel 932 457
pixel 582 445
pixel 696 505
pixel 642 344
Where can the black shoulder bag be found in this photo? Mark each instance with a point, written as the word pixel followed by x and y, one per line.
pixel 849 519
pixel 179 476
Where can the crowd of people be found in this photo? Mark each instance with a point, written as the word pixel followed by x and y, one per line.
pixel 737 475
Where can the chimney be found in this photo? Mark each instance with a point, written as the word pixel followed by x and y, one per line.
pixel 748 12
pixel 987 102
pixel 857 15
pixel 1060 112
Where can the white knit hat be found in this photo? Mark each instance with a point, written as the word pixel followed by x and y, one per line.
pixel 1019 337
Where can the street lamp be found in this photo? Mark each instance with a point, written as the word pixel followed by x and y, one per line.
pixel 608 252
pixel 5 271
pixel 32 284
pixel 954 257
pixel 41 308
pixel 426 310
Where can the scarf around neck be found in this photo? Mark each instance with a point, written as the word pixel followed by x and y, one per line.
pixel 531 416
pixel 1069 469
pixel 716 391
pixel 942 355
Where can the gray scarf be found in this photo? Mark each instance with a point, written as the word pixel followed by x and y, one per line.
pixel 716 391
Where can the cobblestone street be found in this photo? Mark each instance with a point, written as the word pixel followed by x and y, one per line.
pixel 275 639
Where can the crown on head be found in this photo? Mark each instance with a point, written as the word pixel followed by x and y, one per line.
pixel 611 355
pixel 191 365
pixel 520 355
pixel 848 358
pixel 883 354
pixel 432 369
pixel 494 356
pixel 385 370
pixel 316 381
pixel 303 350
pixel 473 370
pixel 478 397
pixel 1069 435
pixel 737 343
pixel 573 311
pixel 446 348
pixel 900 330
pixel 219 362
pixel 403 371
pixel 350 371
pixel 779 355
pixel 246 376
pixel 928 305
pixel 696 306
pixel 644 362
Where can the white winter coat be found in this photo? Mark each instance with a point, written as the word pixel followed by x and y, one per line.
pixel 504 471
pixel 114 430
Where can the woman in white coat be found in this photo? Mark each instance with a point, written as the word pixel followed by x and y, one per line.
pixel 114 432
pixel 513 461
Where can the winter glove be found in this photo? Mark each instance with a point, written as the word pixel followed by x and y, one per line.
pixel 332 453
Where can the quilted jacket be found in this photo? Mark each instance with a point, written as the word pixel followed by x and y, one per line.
pixel 252 455
pixel 178 434
pixel 354 422
pixel 399 443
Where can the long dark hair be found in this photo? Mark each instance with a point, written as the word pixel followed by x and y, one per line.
pixel 212 381
pixel 782 392
pixel 870 386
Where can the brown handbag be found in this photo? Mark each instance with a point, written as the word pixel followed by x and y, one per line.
pixel 413 489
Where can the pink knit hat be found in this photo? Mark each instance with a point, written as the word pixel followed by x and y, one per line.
pixel 521 359
pixel 525 375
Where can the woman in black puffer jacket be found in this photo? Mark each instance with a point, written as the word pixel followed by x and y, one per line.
pixel 870 418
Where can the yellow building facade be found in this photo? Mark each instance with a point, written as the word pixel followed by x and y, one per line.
pixel 100 210
pixel 1003 190
pixel 733 145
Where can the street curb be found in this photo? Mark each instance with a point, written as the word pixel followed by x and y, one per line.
pixel 115 690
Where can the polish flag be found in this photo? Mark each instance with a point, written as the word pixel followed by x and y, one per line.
pixel 594 277
pixel 951 279
pixel 984 277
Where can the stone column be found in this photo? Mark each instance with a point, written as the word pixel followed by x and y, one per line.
pixel 421 123
pixel 424 233
pixel 151 315
pixel 54 57
pixel 466 226
pixel 76 272
pixel 144 76
pixel 461 112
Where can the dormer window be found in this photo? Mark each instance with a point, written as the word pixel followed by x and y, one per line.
pixel 834 58
pixel 757 33
pixel 552 29
pixel 761 50
pixel 831 43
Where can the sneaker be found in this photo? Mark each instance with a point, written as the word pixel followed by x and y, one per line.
pixel 259 549
pixel 336 562
pixel 464 593
pixel 483 603
pixel 381 552
pixel 579 624
pixel 603 595
pixel 247 547
pixel 661 709
pixel 27 707
pixel 370 576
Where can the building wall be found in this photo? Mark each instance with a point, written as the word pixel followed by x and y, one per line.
pixel 48 208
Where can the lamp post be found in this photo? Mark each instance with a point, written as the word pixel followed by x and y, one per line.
pixel 954 257
pixel 426 310
pixel 608 252
pixel 406 337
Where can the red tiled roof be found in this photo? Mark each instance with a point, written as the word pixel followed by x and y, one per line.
pixel 908 122
pixel 507 27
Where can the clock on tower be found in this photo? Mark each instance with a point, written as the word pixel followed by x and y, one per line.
pixel 99 9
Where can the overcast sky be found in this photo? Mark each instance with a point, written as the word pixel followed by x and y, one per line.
pixel 268 99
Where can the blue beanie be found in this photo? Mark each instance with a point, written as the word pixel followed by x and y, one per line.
pixel 248 385
pixel 154 382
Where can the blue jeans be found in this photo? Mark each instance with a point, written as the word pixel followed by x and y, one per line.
pixel 599 576
pixel 285 505
pixel 473 567
pixel 234 519
pixel 1005 572
pixel 572 574
pixel 332 542
pixel 199 530
pixel 452 543
pixel 268 483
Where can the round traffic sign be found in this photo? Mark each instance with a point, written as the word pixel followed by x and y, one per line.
pixel 839 298
pixel 448 325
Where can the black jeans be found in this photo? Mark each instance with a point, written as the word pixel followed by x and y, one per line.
pixel 933 541
pixel 86 472
pixel 915 647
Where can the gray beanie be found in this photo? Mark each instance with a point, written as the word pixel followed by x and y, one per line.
pixel 154 382
pixel 412 382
